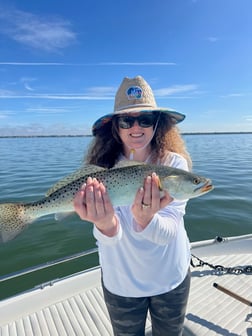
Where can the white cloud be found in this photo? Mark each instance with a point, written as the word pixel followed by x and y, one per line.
pixel 33 63
pixel 230 95
pixel 5 93
pixel 175 89
pixel 248 118
pixel 102 91
pixel 212 39
pixel 92 95
pixel 36 129
pixel 28 87
pixel 26 81
pixel 44 33
pixel 99 93
pixel 137 63
pixel 6 114
pixel 88 64
pixel 42 111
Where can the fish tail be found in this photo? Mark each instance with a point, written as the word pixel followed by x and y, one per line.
pixel 13 219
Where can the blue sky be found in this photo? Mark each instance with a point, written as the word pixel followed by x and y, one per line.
pixel 62 61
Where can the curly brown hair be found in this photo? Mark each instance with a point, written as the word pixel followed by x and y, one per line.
pixel 106 146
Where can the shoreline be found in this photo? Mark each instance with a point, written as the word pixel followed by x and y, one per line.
pixel 89 135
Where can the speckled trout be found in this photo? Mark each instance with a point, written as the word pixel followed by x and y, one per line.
pixel 121 182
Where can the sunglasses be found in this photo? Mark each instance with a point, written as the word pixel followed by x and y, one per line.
pixel 144 120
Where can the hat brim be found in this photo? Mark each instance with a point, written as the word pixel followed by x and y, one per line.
pixel 99 123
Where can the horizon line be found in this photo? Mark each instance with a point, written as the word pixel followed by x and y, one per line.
pixel 90 135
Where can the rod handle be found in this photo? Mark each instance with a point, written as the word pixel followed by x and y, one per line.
pixel 232 294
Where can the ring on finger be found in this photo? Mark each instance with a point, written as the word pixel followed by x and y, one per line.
pixel 145 206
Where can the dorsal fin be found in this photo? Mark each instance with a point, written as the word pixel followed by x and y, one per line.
pixel 127 163
pixel 85 170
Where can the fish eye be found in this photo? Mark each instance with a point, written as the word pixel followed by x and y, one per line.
pixel 196 180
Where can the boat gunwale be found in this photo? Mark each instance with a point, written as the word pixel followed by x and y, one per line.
pixel 196 246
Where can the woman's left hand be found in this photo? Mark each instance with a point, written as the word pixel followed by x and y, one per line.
pixel 148 202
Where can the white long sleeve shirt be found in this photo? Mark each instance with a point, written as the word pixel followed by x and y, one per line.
pixel 153 261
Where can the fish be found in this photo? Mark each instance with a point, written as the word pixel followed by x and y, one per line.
pixel 121 182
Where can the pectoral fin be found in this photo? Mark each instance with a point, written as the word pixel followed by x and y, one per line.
pixel 160 184
pixel 62 215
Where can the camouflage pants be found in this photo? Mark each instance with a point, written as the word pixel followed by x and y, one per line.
pixel 167 311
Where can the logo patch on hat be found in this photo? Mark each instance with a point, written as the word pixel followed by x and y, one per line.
pixel 134 92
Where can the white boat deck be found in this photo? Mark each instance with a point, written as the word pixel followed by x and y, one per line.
pixel 75 306
pixel 212 312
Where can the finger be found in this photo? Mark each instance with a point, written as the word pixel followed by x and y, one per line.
pixel 79 202
pixel 108 206
pixel 90 198
pixel 78 199
pixel 147 191
pixel 98 198
pixel 155 192
pixel 139 197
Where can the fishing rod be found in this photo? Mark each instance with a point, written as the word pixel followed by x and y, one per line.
pixel 232 294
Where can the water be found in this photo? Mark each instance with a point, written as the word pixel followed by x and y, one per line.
pixel 30 166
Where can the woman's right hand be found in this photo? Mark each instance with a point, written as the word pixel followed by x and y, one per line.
pixel 92 203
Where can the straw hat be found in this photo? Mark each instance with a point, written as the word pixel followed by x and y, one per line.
pixel 135 95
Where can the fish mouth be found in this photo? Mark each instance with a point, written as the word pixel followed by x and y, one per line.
pixel 206 187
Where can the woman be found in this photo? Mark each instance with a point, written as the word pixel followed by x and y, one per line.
pixel 143 247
